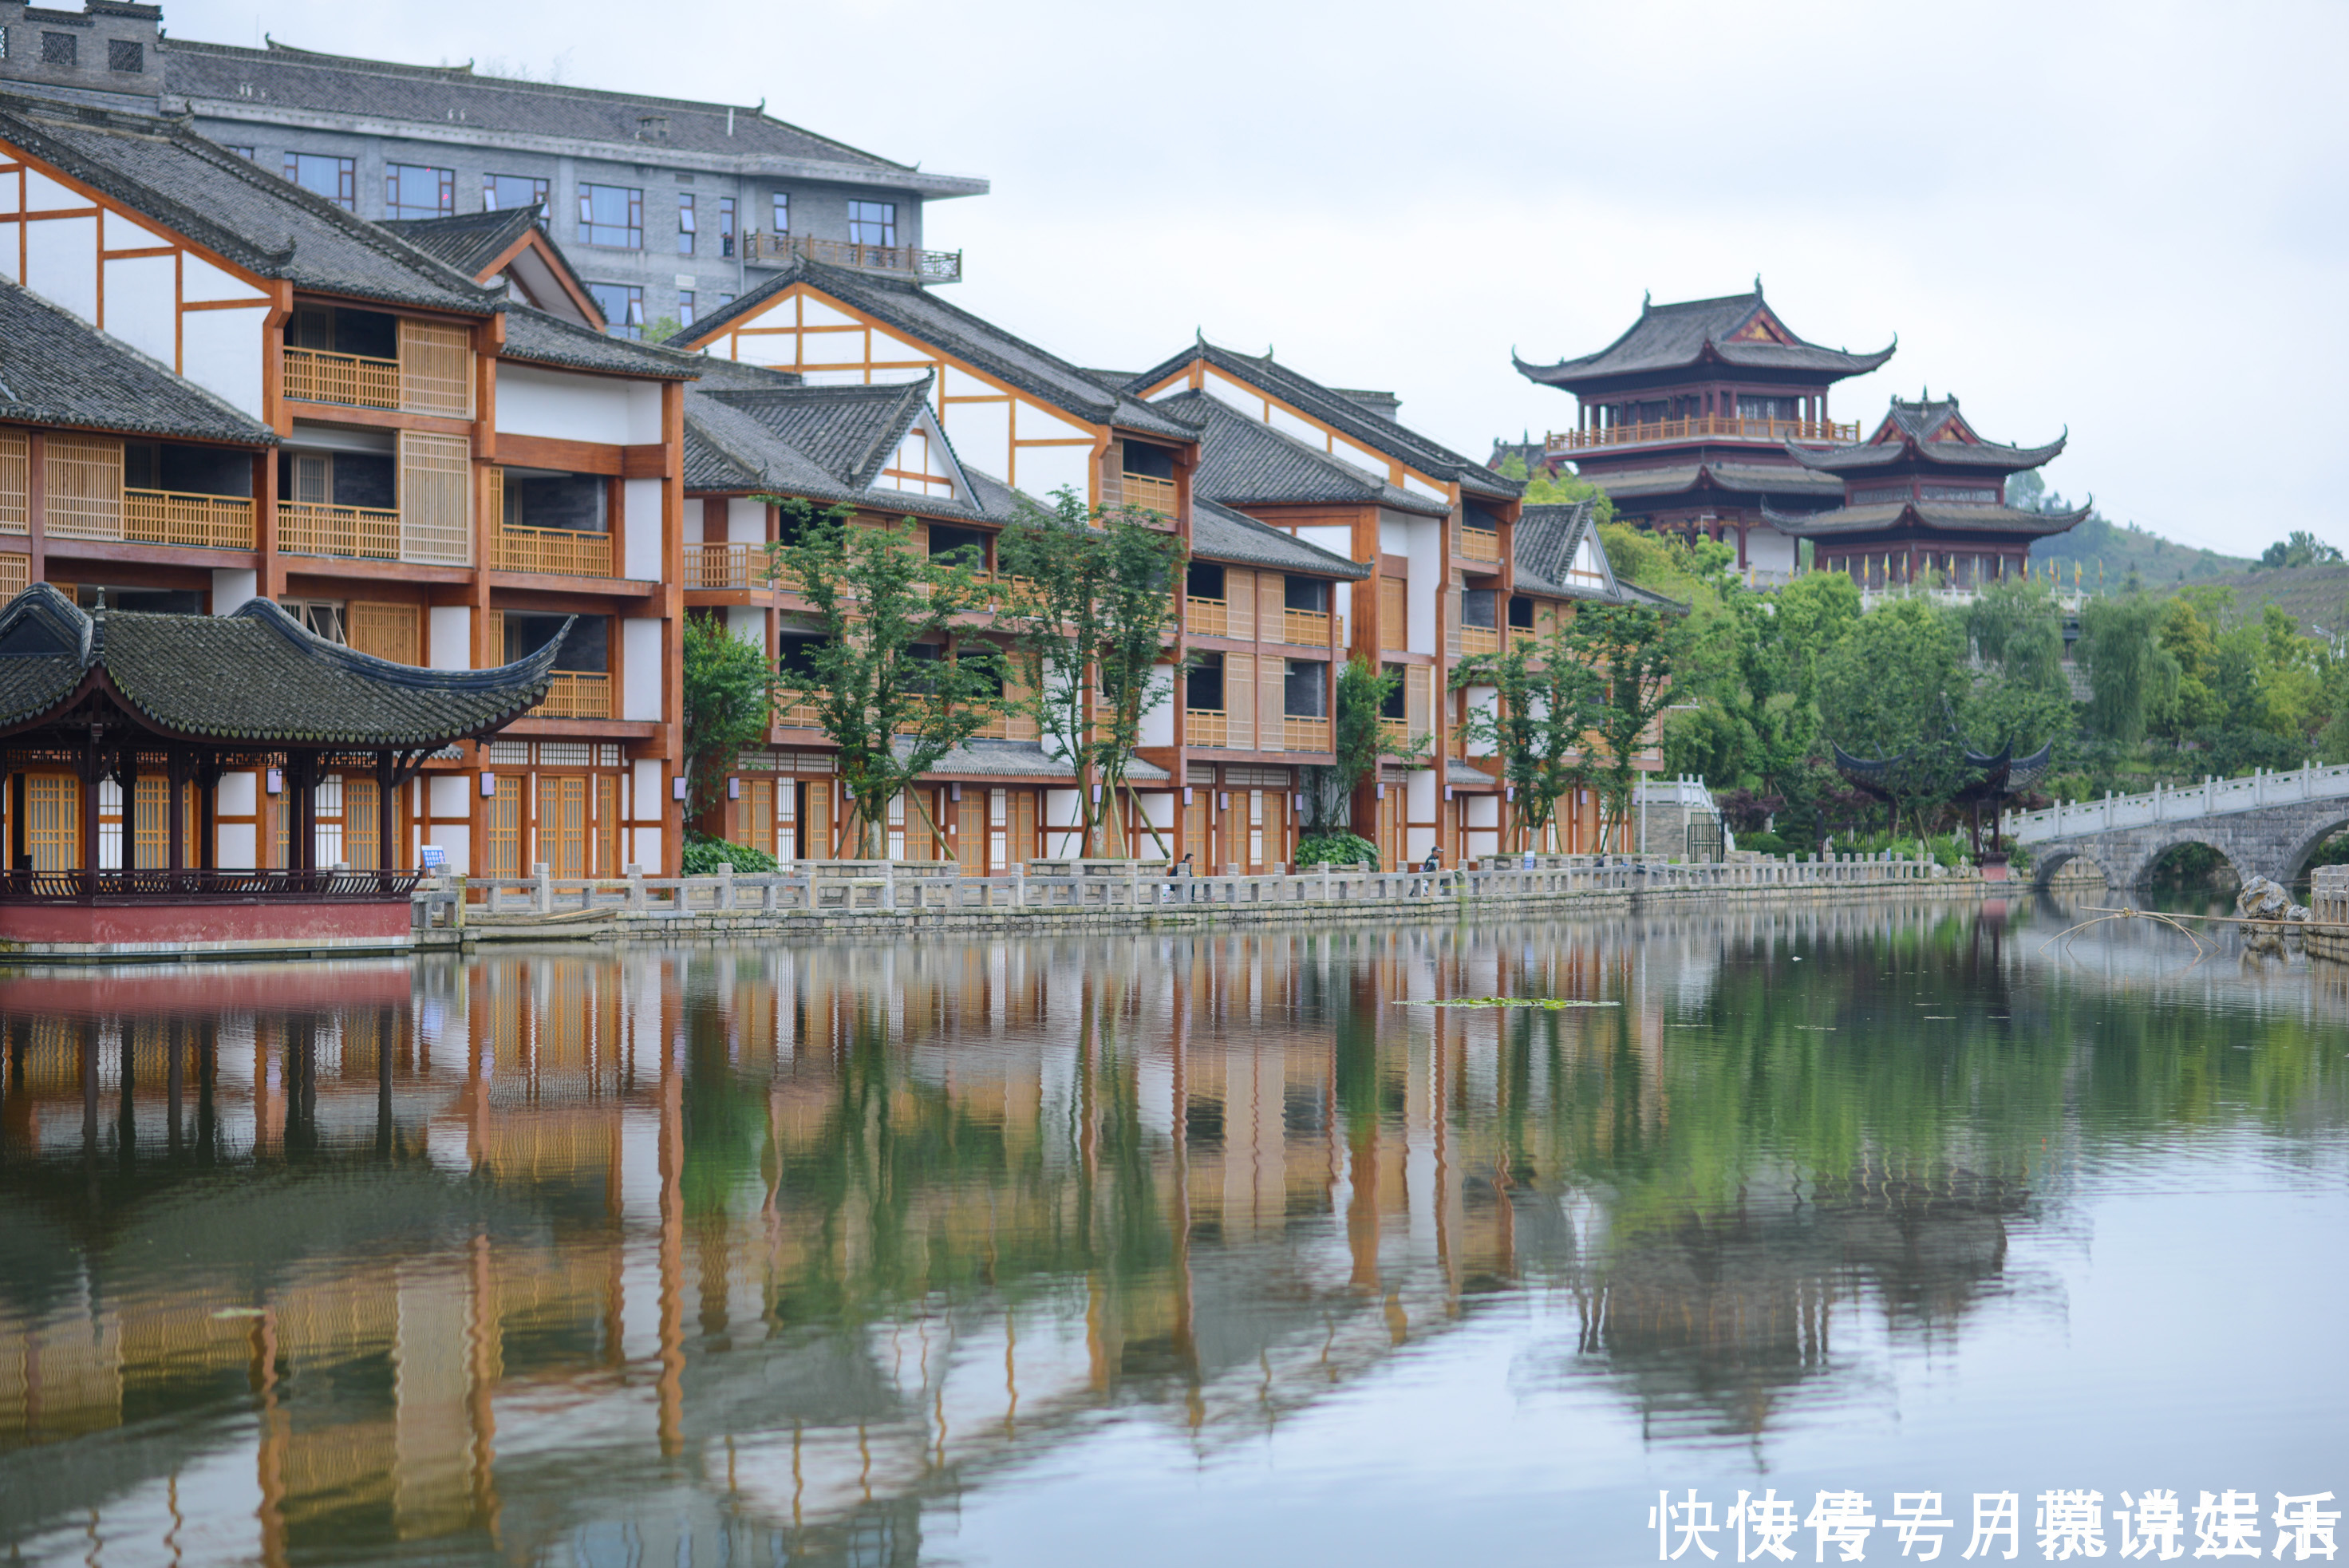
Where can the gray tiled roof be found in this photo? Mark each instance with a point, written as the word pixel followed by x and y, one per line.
pixel 1925 429
pixel 226 78
pixel 1245 462
pixel 1926 516
pixel 469 241
pixel 1220 533
pixel 257 676
pixel 536 338
pixel 1546 537
pixel 1765 479
pixel 1675 337
pixel 1019 760
pixel 958 335
pixel 58 370
pixel 1345 412
pixel 196 188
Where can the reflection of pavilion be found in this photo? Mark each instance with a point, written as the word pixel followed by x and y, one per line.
pixel 727 1242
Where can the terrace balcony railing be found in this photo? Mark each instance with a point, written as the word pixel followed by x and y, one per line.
pixel 576 694
pixel 1304 734
pixel 1479 545
pixel 1150 494
pixel 191 885
pixel 725 566
pixel 359 381
pixel 1204 727
pixel 1724 427
pixel 554 552
pixel 896 261
pixel 158 517
pixel 1306 628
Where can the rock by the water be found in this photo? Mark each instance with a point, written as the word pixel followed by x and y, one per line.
pixel 2264 898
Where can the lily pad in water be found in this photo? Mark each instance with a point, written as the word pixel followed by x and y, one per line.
pixel 1555 1003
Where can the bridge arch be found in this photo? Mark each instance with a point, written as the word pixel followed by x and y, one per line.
pixel 2296 856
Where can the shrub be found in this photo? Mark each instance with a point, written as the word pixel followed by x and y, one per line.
pixel 704 854
pixel 1762 843
pixel 1336 849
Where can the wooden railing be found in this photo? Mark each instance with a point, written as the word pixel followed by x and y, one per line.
pixel 1394 735
pixel 1008 726
pixel 175 517
pixel 799 716
pixel 1480 544
pixel 314 376
pixel 1151 495
pixel 1304 734
pixel 1307 628
pixel 1203 727
pixel 353 532
pixel 576 695
pixel 1480 639
pixel 1207 617
pixel 1727 426
pixel 557 552
pixel 899 261
pixel 725 566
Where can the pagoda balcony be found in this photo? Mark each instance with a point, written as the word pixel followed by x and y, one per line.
pixel 1706 427
pixel 894 260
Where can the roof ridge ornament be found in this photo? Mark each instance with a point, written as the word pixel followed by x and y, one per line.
pixel 1757 286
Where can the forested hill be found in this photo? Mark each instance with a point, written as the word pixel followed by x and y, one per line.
pixel 2316 597
pixel 2160 563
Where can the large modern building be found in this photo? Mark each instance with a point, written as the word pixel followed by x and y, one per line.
pixel 669 207
pixel 1686 422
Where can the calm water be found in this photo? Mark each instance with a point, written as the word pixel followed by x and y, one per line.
pixel 1164 1249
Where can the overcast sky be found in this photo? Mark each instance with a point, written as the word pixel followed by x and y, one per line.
pixel 2123 218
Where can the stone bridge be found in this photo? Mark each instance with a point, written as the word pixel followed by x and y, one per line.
pixel 2265 824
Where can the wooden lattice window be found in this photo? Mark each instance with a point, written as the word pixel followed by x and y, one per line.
pixel 563 824
pixel 1394 615
pixel 150 828
pixel 493 495
pixel 386 630
pixel 16 571
pixel 53 821
pixel 1272 702
pixel 435 493
pixel 15 481
pixel 436 368
pixel 1239 701
pixel 1239 604
pixel 502 823
pixel 83 475
pixel 607 826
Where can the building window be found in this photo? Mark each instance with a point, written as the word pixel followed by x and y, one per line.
pixel 243 153
pixel 412 190
pixel 725 225
pixel 324 174
pixel 3 43
pixel 782 212
pixel 873 223
pixel 126 54
pixel 612 215
pixel 724 300
pixel 684 307
pixel 503 192
pixel 622 305
pixel 685 227
pixel 60 49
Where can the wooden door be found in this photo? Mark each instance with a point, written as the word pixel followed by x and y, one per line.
pixel 1394 839
pixel 501 829
pixel 607 826
pixel 362 823
pixel 53 821
pixel 755 821
pixel 815 820
pixel 1194 831
pixel 1024 802
pixel 562 823
pixel 972 836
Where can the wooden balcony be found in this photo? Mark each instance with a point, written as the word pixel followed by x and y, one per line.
pixel 556 552
pixel 576 695
pixel 1207 617
pixel 896 261
pixel 725 566
pixel 1394 735
pixel 1010 727
pixel 176 517
pixel 353 532
pixel 1480 544
pixel 1203 727
pixel 356 381
pixel 1150 494
pixel 1480 639
pixel 1304 734
pixel 799 716
pixel 1306 628
pixel 1721 427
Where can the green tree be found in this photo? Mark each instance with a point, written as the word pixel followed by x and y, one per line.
pixel 1630 650
pixel 1089 623
pixel 889 688
pixel 729 699
pixel 1888 689
pixel 2130 674
pixel 1545 701
pixel 2301 548
pixel 1360 739
pixel 1560 489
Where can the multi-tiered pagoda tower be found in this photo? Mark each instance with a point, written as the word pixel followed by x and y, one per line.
pixel 1688 419
pixel 1924 500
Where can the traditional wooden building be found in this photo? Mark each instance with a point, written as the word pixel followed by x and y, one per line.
pixel 1924 500
pixel 426 469
pixel 1686 419
pixel 133 746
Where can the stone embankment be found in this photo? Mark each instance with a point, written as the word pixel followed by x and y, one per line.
pixel 2326 934
pixel 896 899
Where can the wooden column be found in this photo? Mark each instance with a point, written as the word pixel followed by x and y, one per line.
pixel 89 804
pixel 175 786
pixel 387 817
pixel 126 779
pixel 37 507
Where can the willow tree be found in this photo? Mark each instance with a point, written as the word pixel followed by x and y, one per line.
pixel 1091 600
pixel 1630 651
pixel 1546 701
pixel 888 686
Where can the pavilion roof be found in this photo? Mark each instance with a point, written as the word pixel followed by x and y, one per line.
pixel 257 676
pixel 1927 431
pixel 1245 462
pixel 1924 517
pixel 1757 478
pixel 58 370
pixel 1737 330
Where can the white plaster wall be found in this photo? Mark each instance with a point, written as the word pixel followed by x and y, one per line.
pixel 1041 470
pixel 200 280
pixel 1767 550
pixel 139 310
pixel 1395 533
pixel 1158 723
pixel 451 794
pixel 640 677
pixel 235 843
pixel 1338 541
pixel 1420 805
pixel 231 587
pixel 1483 701
pixel 749 623
pixel 981 434
pixel 541 402
pixel 449 632
pixel 61 263
pixel 651 787
pixel 1426 567
pixel 746 522
pixel 640 505
pixel 220 350
pixel 1483 811
pixel 1158 808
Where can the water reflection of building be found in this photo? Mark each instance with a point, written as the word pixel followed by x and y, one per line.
pixel 560 1249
